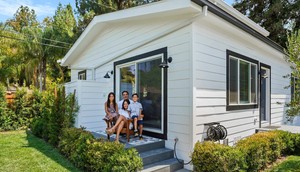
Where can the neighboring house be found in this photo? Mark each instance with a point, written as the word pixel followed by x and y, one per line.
pixel 224 69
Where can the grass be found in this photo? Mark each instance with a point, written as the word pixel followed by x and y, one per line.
pixel 291 164
pixel 22 151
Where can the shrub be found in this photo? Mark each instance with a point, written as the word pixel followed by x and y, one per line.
pixel 288 141
pixel 21 107
pixel 260 149
pixel 8 119
pixel 74 145
pixel 209 156
pixel 250 154
pixel 97 155
pixel 53 112
pixel 125 160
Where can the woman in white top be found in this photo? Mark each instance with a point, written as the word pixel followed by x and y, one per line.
pixel 124 115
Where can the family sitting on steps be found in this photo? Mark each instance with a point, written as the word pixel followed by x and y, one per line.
pixel 119 113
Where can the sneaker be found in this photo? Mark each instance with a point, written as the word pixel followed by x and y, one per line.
pixel 136 133
pixel 141 137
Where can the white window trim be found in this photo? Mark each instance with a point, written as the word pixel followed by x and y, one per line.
pixel 238 78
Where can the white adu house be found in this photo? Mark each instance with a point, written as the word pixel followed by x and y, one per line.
pixel 192 62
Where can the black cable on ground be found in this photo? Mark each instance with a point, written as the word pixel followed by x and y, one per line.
pixel 181 162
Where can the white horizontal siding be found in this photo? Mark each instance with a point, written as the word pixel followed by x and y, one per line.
pixel 122 36
pixel 209 56
pixel 179 86
pixel 90 100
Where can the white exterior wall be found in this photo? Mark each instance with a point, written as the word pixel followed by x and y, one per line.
pixel 125 36
pixel 88 95
pixel 212 36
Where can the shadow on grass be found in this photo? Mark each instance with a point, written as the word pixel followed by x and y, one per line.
pixel 50 151
pixel 292 164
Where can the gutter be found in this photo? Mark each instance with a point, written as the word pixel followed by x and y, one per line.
pixel 229 18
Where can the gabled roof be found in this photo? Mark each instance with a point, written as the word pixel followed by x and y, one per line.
pixel 166 7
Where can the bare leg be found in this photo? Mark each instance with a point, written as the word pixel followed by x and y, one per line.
pixel 141 130
pixel 120 119
pixel 120 127
pixel 135 123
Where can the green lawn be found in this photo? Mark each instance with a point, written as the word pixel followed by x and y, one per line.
pixel 291 164
pixel 22 151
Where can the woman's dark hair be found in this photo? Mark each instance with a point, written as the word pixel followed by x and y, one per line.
pixel 135 94
pixel 114 101
pixel 128 102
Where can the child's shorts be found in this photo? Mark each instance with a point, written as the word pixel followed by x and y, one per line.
pixel 139 122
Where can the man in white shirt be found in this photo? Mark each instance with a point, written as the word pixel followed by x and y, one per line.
pixel 125 96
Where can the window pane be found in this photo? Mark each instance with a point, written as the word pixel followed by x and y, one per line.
pixel 127 80
pixel 253 83
pixel 244 82
pixel 233 85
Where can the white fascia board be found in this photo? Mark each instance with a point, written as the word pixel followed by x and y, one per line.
pixel 232 11
pixel 99 22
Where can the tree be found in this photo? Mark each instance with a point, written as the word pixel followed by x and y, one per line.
pixel 276 16
pixel 24 17
pixel 62 31
pixel 293 57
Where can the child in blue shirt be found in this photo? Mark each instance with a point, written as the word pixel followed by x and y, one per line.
pixel 135 109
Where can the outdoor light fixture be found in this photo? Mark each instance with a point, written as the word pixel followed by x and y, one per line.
pixel 108 74
pixel 265 75
pixel 164 64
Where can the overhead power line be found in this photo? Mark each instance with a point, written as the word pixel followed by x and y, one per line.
pixel 27 35
pixel 22 40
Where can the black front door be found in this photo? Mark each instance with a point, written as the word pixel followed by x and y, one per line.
pixel 265 93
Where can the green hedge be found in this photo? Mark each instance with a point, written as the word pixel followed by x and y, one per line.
pixel 253 153
pixel 91 154
pixel 17 116
pixel 209 156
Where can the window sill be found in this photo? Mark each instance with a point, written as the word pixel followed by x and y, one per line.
pixel 241 107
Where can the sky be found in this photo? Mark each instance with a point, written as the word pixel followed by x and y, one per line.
pixel 43 8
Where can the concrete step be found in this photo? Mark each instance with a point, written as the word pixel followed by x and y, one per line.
pixel 156 155
pixel 148 146
pixel 169 165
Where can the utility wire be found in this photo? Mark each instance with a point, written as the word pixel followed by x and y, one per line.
pixel 50 45
pixel 27 35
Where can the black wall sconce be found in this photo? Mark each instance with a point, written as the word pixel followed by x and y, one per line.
pixel 108 74
pixel 164 64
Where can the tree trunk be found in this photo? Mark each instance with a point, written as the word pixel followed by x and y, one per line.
pixel 44 70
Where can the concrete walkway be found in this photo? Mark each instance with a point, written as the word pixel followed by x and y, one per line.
pixel 290 128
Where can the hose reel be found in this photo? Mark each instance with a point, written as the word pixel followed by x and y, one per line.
pixel 216 132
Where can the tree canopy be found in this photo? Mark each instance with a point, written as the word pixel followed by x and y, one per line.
pixel 276 16
pixel 29 49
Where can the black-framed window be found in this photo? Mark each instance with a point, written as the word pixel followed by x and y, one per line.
pixel 82 75
pixel 242 82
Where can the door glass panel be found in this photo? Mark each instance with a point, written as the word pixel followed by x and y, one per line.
pixel 150 92
pixel 127 80
pixel 263 95
pixel 253 83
